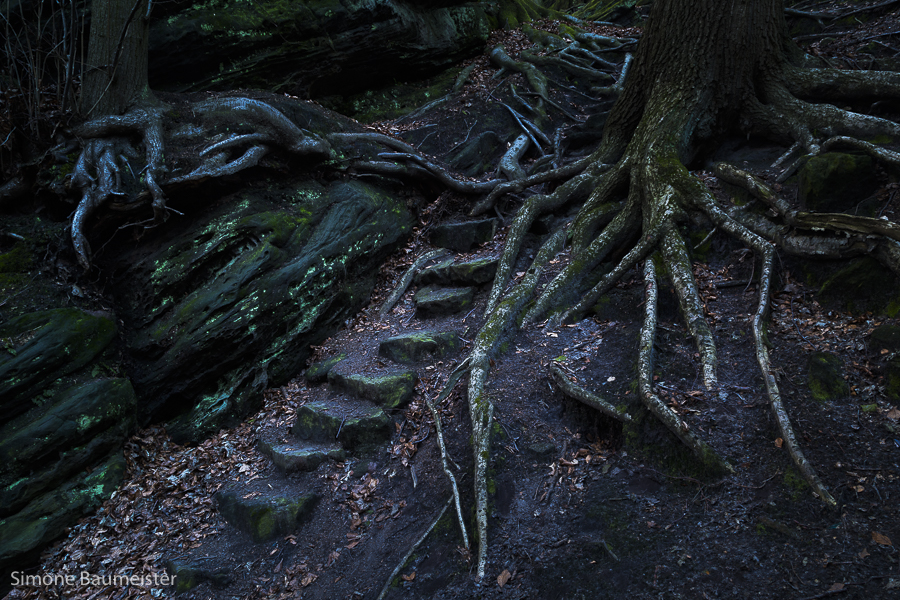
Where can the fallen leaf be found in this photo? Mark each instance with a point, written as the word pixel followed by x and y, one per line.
pixel 894 414
pixel 863 554
pixel 409 577
pixel 779 442
pixel 503 577
pixel 882 539
pixel 836 587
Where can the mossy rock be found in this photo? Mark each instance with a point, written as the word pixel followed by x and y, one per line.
pixel 24 534
pixel 418 346
pixel 353 424
pixel 891 372
pixel 436 302
pixel 78 427
pixel 857 286
pixel 835 181
pixel 189 575
pixel 885 337
pixel 392 390
pixel 291 458
pixel 465 235
pixel 41 347
pixel 219 309
pixel 318 372
pixel 264 518
pixel 826 377
pixel 449 272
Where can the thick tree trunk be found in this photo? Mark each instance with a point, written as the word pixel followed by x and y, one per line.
pixel 702 57
pixel 116 76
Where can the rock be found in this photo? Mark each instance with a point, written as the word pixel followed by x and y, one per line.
pixel 435 302
pixel 463 236
pixel 448 272
pixel 417 346
pixel 318 372
pixel 264 518
pixel 392 390
pixel 891 372
pixel 228 304
pixel 826 377
pixel 24 534
pixel 55 443
pixel 290 458
pixel 353 423
pixel 886 337
pixel 479 155
pixel 189 575
pixel 41 347
pixel 834 181
pixel 857 285
pixel 307 48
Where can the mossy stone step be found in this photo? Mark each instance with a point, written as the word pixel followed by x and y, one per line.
pixel 436 302
pixel 462 237
pixel 352 423
pixel 264 518
pixel 318 372
pixel 419 345
pixel 189 575
pixel 448 272
pixel 293 457
pixel 390 391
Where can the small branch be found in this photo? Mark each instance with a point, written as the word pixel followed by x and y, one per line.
pixel 586 397
pixel 412 549
pixel 407 279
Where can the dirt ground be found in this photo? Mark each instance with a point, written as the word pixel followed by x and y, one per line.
pixel 581 507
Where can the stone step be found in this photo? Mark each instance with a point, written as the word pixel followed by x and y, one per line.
pixel 436 302
pixel 392 390
pixel 417 346
pixel 318 372
pixel 451 273
pixel 351 422
pixel 264 517
pixel 306 456
pixel 463 236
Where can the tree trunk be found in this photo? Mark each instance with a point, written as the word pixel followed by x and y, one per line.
pixel 116 75
pixel 703 57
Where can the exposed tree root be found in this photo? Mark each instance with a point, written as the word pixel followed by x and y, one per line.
pixel 576 392
pixel 407 279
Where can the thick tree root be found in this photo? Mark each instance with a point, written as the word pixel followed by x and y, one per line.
pixel 666 415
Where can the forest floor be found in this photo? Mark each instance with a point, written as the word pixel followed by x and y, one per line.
pixel 580 507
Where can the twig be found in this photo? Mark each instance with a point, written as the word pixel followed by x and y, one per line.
pixel 412 549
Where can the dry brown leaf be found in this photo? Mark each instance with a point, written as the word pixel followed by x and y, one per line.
pixel 503 577
pixel 863 554
pixel 409 577
pixel 882 539
pixel 779 442
pixel 893 414
pixel 836 587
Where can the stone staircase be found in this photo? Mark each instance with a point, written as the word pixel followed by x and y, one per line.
pixel 354 415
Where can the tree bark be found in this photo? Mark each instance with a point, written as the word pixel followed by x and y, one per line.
pixel 704 57
pixel 116 74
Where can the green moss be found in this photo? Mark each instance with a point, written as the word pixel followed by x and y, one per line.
pixel 795 483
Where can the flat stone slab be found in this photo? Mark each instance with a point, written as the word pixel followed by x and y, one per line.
pixel 417 346
pixel 462 237
pixel 264 518
pixel 448 272
pixel 352 423
pixel 291 458
pixel 390 391
pixel 436 302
